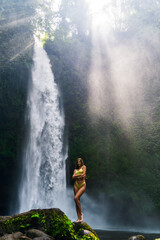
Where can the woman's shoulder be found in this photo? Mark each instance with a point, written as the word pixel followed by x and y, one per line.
pixel 84 166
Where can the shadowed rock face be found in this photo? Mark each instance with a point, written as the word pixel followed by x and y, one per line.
pixel 44 224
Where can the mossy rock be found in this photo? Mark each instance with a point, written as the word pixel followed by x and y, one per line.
pixel 80 227
pixel 51 221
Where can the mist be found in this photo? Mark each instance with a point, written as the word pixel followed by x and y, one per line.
pixel 122 83
pixel 123 69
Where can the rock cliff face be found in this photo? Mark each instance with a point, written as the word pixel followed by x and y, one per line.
pixel 44 224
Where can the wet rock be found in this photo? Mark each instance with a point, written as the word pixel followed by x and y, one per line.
pixel 86 232
pixel 138 237
pixel 7 237
pixel 12 236
pixel 17 235
pixel 25 238
pixel 37 234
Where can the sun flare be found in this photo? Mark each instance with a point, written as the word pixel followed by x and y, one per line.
pixel 105 13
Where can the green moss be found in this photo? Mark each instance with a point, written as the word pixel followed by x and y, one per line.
pixel 25 226
pixel 35 215
pixel 15 223
pixel 91 236
pixel 60 226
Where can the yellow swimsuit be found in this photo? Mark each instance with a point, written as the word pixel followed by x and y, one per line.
pixel 80 171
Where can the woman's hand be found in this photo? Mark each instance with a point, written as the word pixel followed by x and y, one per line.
pixel 81 176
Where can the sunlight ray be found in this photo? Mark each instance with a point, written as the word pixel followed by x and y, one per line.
pixel 15 23
pixel 21 52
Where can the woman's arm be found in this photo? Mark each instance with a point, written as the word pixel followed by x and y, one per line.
pixel 74 175
pixel 84 172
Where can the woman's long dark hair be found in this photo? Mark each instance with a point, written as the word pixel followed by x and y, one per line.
pixel 82 163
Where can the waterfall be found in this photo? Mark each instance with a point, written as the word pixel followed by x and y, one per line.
pixel 43 182
pixel 44 177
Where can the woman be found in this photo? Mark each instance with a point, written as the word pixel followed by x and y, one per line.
pixel 79 176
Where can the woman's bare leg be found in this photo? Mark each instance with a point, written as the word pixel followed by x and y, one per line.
pixel 77 209
pixel 77 200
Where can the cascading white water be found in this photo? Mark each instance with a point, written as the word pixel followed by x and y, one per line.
pixel 44 177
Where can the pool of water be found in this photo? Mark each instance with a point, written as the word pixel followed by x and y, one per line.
pixel 123 235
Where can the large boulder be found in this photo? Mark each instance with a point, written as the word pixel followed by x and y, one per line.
pixel 44 224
